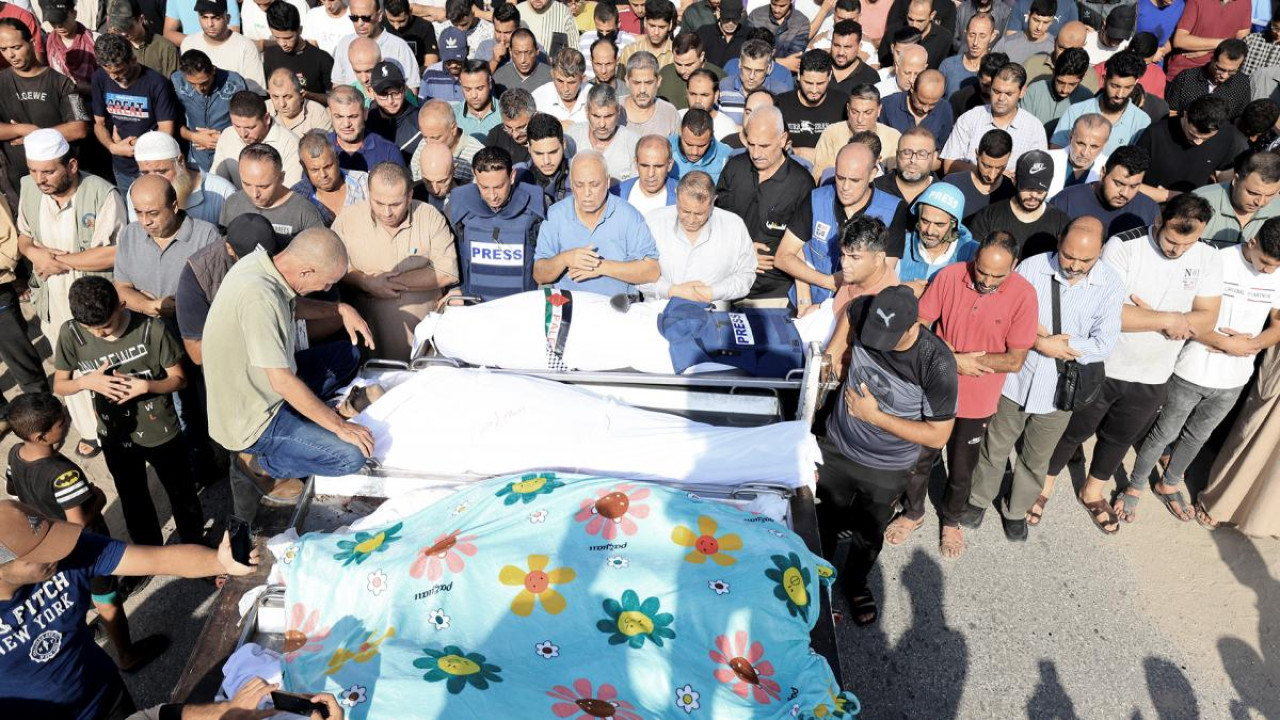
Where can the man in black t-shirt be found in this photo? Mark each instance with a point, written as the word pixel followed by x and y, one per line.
pixel 419 34
pixel 814 105
pixel 986 183
pixel 1032 222
pixel 129 99
pixel 898 394
pixel 312 66
pixel 847 68
pixel 1190 151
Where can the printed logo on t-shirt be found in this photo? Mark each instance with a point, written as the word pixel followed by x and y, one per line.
pixel 128 107
pixel 46 646
pixel 286 230
pixel 1191 278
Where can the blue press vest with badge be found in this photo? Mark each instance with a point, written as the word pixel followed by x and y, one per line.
pixel 496 249
pixel 822 249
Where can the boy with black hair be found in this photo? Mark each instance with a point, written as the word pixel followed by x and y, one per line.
pixel 132 365
pixel 42 477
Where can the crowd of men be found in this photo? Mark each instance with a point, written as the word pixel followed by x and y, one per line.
pixel 1035 222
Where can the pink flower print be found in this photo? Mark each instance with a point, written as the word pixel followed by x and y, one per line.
pixel 446 552
pixel 303 633
pixel 614 510
pixel 582 703
pixel 745 668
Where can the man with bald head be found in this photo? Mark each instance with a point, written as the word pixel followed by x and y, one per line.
pixel 810 249
pixel 436 168
pixel 765 187
pixel 1091 294
pixel 1073 35
pixel 402 255
pixel 364 55
pixel 921 105
pixel 974 36
pixel 369 25
pixel 594 241
pixel 438 124
pixel 652 187
pixel 267 400
pixel 292 108
pixel 908 63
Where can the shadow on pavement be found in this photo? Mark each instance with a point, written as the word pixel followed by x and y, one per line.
pixel 1171 692
pixel 1050 700
pixel 924 674
pixel 1254 675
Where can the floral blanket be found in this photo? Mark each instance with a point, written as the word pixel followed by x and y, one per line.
pixel 562 596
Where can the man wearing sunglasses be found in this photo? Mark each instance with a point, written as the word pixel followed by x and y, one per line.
pixel 366 18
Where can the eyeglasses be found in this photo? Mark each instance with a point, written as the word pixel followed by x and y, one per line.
pixel 912 154
pixel 361 18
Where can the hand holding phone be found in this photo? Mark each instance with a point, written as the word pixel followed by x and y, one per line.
pixel 241 539
pixel 298 704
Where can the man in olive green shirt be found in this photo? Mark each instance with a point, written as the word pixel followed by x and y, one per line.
pixel 265 402
pixel 1241 205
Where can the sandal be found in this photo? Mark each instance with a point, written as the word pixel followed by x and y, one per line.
pixel 1109 525
pixel 863 608
pixel 1177 510
pixel 952 544
pixel 88 449
pixel 1128 505
pixel 1033 515
pixel 1205 519
pixel 899 531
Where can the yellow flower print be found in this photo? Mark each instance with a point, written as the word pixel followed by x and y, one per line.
pixel 705 544
pixel 535 584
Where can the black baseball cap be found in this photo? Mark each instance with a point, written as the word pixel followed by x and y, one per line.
pixel 248 232
pixel 56 12
pixel 217 7
pixel 730 10
pixel 386 76
pixel 890 314
pixel 1035 170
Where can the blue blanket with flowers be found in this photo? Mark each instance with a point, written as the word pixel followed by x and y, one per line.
pixel 546 595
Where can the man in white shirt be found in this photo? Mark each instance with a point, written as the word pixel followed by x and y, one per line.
pixel 366 18
pixel 1214 367
pixel 1174 287
pixel 604 132
pixel 325 26
pixel 227 49
pixel 653 187
pixel 1007 88
pixel 565 97
pixel 908 62
pixel 546 18
pixel 1082 160
pixel 703 93
pixel 705 253
pixel 252 124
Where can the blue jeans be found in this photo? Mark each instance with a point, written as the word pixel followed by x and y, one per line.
pixel 1191 413
pixel 293 446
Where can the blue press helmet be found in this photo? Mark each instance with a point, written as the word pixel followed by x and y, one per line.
pixel 944 196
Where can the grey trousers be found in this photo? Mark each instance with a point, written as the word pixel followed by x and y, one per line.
pixel 1191 413
pixel 1040 434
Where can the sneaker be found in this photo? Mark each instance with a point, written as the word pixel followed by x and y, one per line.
pixel 971 517
pixel 1014 530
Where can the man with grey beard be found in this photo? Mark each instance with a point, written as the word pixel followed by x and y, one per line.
pixel 199 193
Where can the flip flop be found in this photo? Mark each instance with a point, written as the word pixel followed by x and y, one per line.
pixel 864 609
pixel 951 547
pixel 1033 517
pixel 1101 507
pixel 1129 505
pixel 1205 519
pixel 1175 497
pixel 899 531
pixel 94 449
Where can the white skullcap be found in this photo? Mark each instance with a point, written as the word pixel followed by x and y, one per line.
pixel 155 145
pixel 46 144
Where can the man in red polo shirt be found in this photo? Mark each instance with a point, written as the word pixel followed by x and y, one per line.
pixel 987 315
pixel 1204 24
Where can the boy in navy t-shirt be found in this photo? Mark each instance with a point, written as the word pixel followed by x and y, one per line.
pixel 45 479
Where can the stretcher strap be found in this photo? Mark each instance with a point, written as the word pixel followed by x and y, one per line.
pixel 556 320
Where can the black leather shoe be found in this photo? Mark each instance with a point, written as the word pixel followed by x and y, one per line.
pixel 971 517
pixel 1015 530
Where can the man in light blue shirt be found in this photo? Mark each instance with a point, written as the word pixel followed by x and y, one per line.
pixel 1090 301
pixel 695 147
pixel 1124 70
pixel 594 241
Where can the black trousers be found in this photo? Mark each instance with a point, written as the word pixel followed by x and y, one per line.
pixel 128 465
pixel 16 350
pixel 962 457
pixel 1121 415
pixel 861 500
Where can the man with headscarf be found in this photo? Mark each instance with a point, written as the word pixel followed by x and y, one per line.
pixel 200 194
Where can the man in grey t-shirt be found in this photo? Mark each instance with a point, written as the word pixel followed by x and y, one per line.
pixel 898 394
pixel 264 193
